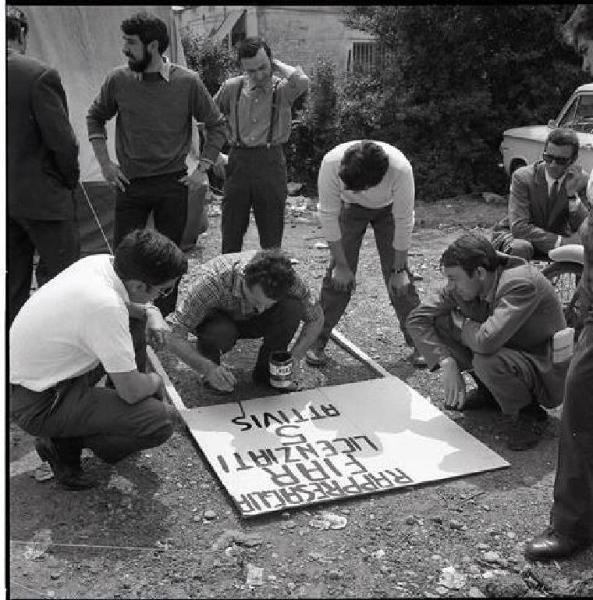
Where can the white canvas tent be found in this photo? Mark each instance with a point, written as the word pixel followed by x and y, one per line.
pixel 84 43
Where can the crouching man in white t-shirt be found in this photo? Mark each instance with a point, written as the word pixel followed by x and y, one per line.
pixel 89 320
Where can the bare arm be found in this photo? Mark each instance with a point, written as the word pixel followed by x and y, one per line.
pixel 133 386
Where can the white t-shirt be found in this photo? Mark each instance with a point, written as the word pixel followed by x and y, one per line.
pixel 75 321
pixel 397 187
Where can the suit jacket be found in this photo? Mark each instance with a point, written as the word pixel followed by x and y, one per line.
pixel 41 148
pixel 522 312
pixel 532 216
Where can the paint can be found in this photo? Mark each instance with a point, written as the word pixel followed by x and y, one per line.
pixel 281 369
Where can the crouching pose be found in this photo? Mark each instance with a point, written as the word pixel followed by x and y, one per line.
pixel 90 320
pixel 244 295
pixel 495 318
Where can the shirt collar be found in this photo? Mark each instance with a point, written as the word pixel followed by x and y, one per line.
pixel 165 71
pixel 550 180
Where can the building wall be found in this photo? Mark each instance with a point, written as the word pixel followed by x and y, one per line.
pixel 296 34
pixel 299 34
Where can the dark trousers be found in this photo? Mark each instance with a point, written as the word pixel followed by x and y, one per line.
pixel 58 246
pixel 219 332
pixel 572 511
pixel 354 220
pixel 75 414
pixel 513 376
pixel 254 177
pixel 167 199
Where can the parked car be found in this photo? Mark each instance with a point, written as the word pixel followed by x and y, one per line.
pixel 524 145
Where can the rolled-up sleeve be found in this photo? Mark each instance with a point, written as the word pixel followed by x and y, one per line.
pixel 403 192
pixel 421 326
pixel 295 85
pixel 330 202
pixel 103 108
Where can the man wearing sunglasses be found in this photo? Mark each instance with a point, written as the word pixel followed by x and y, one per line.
pixel 71 332
pixel 547 203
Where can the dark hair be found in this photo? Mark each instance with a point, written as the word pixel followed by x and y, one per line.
pixel 363 166
pixel 470 251
pixel 16 22
pixel 271 268
pixel 250 46
pixel 148 28
pixel 563 137
pixel 148 256
pixel 580 24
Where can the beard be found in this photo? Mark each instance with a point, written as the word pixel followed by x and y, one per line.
pixel 139 65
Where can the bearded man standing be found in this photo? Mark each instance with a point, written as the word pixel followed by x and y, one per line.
pixel 154 101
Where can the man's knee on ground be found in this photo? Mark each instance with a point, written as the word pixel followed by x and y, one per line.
pixel 218 331
pixel 521 248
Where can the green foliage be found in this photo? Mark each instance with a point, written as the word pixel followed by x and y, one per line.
pixel 456 77
pixel 214 62
pixel 314 130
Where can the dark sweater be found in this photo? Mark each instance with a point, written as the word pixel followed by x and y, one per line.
pixel 154 119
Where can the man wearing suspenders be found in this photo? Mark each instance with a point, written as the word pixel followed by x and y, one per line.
pixel 258 109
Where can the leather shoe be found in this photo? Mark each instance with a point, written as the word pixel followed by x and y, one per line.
pixel 550 545
pixel 70 477
pixel 316 357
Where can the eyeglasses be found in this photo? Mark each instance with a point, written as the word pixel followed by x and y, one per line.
pixel 166 291
pixel 560 160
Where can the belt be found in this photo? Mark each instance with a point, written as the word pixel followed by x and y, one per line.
pixel 267 146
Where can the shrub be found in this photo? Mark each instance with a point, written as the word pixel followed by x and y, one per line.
pixel 213 61
pixel 314 130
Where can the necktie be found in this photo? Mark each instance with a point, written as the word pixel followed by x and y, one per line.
pixel 554 194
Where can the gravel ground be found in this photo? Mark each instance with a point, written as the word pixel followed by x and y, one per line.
pixel 160 525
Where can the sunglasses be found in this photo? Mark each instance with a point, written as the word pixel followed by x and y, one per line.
pixel 560 160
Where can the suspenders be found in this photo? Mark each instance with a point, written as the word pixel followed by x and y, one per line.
pixel 272 113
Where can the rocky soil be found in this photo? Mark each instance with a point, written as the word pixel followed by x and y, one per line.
pixel 160 525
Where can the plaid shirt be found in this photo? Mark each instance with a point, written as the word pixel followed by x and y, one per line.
pixel 220 285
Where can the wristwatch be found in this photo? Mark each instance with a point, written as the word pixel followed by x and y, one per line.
pixel 204 164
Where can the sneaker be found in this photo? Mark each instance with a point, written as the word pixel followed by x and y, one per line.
pixel 417 359
pixel 524 433
pixel 316 357
pixel 69 477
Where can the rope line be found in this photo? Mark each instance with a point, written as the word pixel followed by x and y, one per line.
pixel 96 218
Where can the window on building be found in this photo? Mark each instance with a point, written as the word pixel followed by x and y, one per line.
pixel 365 57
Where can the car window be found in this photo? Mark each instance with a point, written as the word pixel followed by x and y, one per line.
pixel 579 116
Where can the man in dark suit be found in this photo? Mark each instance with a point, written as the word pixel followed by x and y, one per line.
pixel 571 518
pixel 495 318
pixel 42 168
pixel 547 203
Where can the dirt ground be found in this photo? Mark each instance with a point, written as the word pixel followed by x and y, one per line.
pixel 151 527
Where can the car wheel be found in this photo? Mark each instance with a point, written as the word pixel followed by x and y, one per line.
pixel 515 164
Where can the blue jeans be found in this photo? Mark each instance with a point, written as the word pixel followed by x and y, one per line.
pixel 354 220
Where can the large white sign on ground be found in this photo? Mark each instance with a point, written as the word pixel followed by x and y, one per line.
pixel 328 443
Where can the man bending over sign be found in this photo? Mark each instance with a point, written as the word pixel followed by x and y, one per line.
pixel 73 330
pixel 244 295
